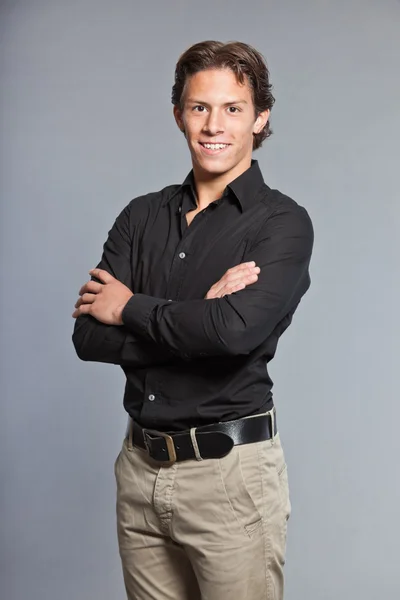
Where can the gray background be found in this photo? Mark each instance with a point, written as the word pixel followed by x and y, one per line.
pixel 86 125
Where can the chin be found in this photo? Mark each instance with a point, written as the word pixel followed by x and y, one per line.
pixel 215 171
pixel 215 167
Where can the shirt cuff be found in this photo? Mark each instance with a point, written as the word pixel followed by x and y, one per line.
pixel 137 311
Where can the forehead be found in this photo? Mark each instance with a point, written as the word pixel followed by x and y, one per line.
pixel 217 84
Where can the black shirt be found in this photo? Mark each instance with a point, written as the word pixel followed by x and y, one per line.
pixel 189 361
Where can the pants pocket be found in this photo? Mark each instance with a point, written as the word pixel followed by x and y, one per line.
pixel 284 490
pixel 242 487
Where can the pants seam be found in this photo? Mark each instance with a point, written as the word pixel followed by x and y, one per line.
pixel 267 542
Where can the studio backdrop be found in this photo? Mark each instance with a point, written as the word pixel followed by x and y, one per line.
pixel 86 125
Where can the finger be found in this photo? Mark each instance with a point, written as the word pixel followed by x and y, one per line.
pixel 233 289
pixel 236 285
pixel 237 270
pixel 233 276
pixel 85 299
pixel 84 309
pixel 90 286
pixel 227 291
pixel 219 291
pixel 101 274
pixel 248 275
pixel 242 275
pixel 241 267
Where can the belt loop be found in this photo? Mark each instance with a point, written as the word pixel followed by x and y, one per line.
pixel 194 443
pixel 272 415
pixel 130 434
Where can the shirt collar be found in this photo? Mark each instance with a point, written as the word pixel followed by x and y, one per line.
pixel 243 187
pixel 247 185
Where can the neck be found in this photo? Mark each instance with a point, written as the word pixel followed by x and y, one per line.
pixel 210 187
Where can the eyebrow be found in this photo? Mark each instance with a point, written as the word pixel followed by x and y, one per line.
pixel 194 101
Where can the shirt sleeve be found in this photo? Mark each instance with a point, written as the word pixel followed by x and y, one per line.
pixel 96 341
pixel 239 322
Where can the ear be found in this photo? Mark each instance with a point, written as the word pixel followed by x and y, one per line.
pixel 261 121
pixel 178 118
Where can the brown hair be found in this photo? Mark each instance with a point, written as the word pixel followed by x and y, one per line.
pixel 243 60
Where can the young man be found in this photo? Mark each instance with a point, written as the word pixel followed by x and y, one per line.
pixel 196 284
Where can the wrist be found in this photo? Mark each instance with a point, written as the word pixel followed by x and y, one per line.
pixel 118 312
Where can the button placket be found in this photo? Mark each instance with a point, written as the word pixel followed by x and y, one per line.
pixel 182 256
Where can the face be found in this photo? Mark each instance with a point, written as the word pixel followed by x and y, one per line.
pixel 218 119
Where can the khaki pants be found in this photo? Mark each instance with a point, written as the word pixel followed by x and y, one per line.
pixel 210 530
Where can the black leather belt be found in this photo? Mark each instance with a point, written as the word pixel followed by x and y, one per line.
pixel 207 441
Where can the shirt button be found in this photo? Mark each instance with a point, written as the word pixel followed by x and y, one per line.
pixel 152 397
pixel 182 255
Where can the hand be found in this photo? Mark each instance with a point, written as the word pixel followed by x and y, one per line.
pixel 235 279
pixel 103 301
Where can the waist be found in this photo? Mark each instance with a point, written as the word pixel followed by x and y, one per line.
pixel 209 441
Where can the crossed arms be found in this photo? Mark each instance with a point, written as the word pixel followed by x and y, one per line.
pixel 239 312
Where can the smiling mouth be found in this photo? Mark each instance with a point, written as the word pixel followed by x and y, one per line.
pixel 213 148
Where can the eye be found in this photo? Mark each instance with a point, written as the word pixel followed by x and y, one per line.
pixel 233 109
pixel 199 108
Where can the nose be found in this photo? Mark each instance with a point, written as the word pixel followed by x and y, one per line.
pixel 213 124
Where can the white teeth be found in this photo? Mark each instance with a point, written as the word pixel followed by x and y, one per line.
pixel 215 146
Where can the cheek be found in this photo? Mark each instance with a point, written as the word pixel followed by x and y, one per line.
pixel 192 120
pixel 192 128
pixel 244 134
pixel 243 128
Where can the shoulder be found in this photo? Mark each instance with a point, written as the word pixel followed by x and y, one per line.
pixel 146 206
pixel 284 222
pixel 282 208
pixel 153 199
pixel 278 202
